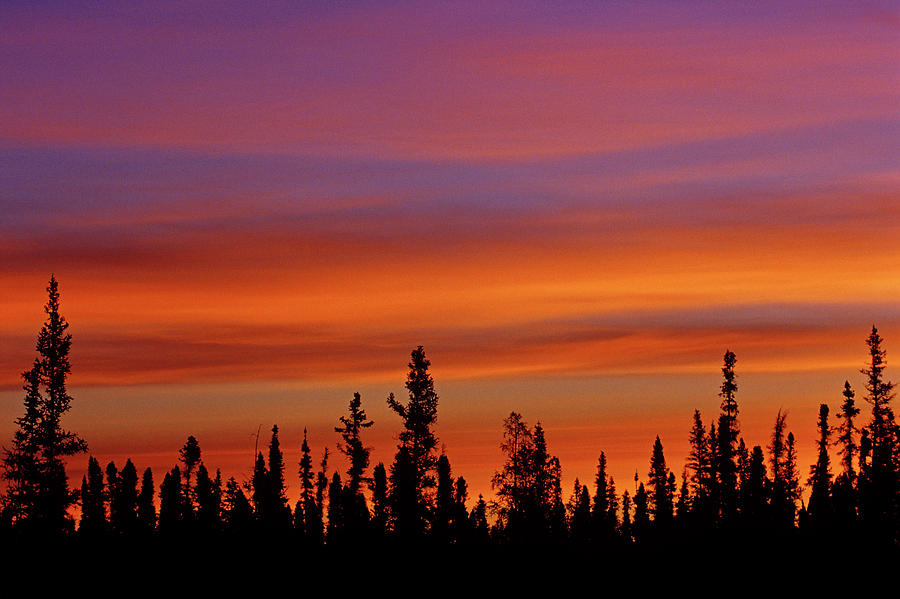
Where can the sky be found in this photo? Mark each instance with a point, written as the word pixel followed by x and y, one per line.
pixel 256 209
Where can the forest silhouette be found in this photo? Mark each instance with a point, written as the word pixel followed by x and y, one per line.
pixel 729 491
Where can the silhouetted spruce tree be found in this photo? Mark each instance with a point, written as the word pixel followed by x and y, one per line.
pixel 777 460
pixel 317 523
pixel 659 480
pixel 820 510
pixel 715 485
pixel 743 470
pixel 261 494
pixel 189 455
pixel 844 494
pixel 278 512
pixel 602 527
pixel 146 507
pixel 671 488
pixel 126 500
pixel 528 486
pixel 785 476
pixel 641 524
pixel 683 504
pixel 513 483
pixel 379 489
pixel 171 498
pixel 792 479
pixel 38 497
pixel 112 493
pixel 93 507
pixel 626 529
pixel 418 438
pixel 460 531
pixel 405 508
pixel 879 489
pixel 307 502
pixel 356 512
pixel 726 446
pixel 545 489
pixel 236 511
pixel 558 527
pixel 209 499
pixel 336 526
pixel 580 514
pixel 479 524
pixel 21 464
pixel 755 494
pixel 357 453
pixel 612 509
pixel 702 477
pixel 444 502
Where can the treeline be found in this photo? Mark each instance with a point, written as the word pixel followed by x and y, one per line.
pixel 727 489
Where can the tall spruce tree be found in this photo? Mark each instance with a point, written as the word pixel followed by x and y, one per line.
pixel 546 474
pixel 792 479
pixel 190 456
pixel 312 521
pixel 844 493
pixel 417 440
pixel 514 481
pixel 278 511
pixel 612 509
pixel 847 432
pixel 879 491
pixel 820 508
pixel 316 530
pixel 603 527
pixel 662 499
pixel 726 446
pixel 778 462
pixel 353 448
pixel 702 472
pixel 356 512
pixel 38 495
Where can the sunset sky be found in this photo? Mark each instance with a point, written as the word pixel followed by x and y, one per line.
pixel 256 209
